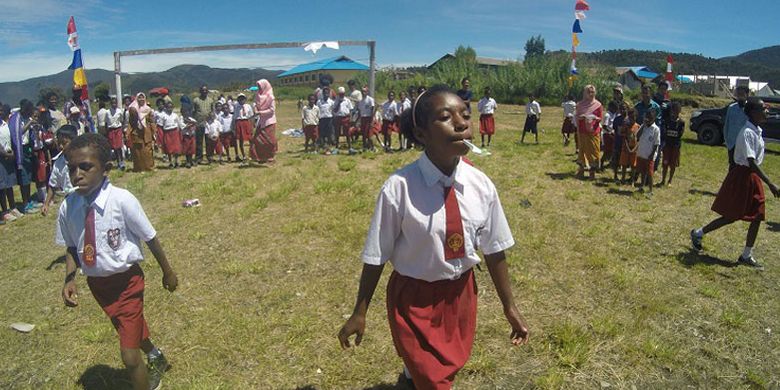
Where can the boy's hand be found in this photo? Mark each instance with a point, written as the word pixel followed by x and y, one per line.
pixel 170 281
pixel 520 332
pixel 69 294
pixel 356 324
pixel 45 208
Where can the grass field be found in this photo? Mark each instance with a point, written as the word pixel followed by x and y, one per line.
pixel 269 268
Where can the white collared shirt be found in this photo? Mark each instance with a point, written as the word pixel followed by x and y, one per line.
pixel 5 136
pixel 170 121
pixel 326 108
pixel 390 110
pixel 569 108
pixel 245 111
pixel 310 115
pixel 409 222
pixel 101 117
pixel 487 106
pixel 651 137
pixel 404 105
pixel 114 118
pixel 344 108
pixel 60 177
pixel 120 227
pixel 533 108
pixel 749 144
pixel 366 106
pixel 226 121
pixel 213 128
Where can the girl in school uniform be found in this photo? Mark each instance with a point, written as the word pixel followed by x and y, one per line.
pixel 741 196
pixel 212 131
pixel 226 134
pixel 487 126
pixel 404 104
pixel 430 219
pixel 264 140
pixel 390 111
pixel 242 128
pixel 325 124
pixel 113 119
pixel 568 128
pixel 171 124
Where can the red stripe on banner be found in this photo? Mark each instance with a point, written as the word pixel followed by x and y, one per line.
pixel 71 26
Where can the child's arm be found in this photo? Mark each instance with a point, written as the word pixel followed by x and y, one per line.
pixel 498 269
pixel 758 171
pixel 69 292
pixel 356 324
pixel 170 281
pixel 47 202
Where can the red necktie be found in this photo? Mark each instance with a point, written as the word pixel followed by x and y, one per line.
pixel 453 238
pixel 90 252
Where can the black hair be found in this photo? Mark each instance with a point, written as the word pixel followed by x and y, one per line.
pixel 663 82
pixel 6 112
pixel 92 140
pixel 488 90
pixel 351 82
pixel 158 101
pixel 421 111
pixel 326 79
pixel 753 104
pixel 311 95
pixel 463 80
pixel 101 104
pixel 612 106
pixel 26 106
pixel 676 104
pixel 646 87
pixel 67 131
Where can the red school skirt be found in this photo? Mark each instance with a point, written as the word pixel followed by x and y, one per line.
pixel 311 132
pixel 432 324
pixel 121 296
pixel 341 124
pixel 487 125
pixel 365 126
pixel 188 144
pixel 159 135
pixel 41 166
pixel 172 141
pixel 115 138
pixel 243 130
pixel 568 126
pixel 213 146
pixel 227 140
pixel 741 196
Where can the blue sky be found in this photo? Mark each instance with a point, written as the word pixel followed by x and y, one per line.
pixel 408 32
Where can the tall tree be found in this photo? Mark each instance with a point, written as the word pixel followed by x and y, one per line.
pixel 467 53
pixel 534 47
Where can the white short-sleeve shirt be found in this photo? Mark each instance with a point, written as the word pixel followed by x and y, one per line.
pixel 487 106
pixel 60 177
pixel 310 115
pixel 114 118
pixel 366 106
pixel 569 108
pixel 409 222
pixel 120 228
pixel 650 138
pixel 225 121
pixel 245 111
pixel 213 129
pixel 170 121
pixel 533 108
pixel 326 107
pixel 750 144
pixel 344 107
pixel 390 110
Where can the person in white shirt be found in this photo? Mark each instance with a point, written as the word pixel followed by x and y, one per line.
pixel 227 137
pixel 172 125
pixel 102 227
pixel 390 112
pixel 242 127
pixel 487 125
pixel 608 134
pixel 310 117
pixel 404 104
pixel 325 126
pixel 649 141
pixel 568 128
pixel 212 130
pixel 430 219
pixel 7 169
pixel 113 121
pixel 366 107
pixel 101 117
pixel 741 196
pixel 342 109
pixel 59 179
pixel 533 114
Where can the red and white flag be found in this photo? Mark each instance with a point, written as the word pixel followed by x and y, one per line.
pixel 669 74
pixel 73 36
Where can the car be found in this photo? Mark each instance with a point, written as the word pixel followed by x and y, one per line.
pixel 708 124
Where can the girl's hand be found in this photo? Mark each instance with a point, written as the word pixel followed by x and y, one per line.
pixel 356 324
pixel 170 281
pixel 69 294
pixel 520 332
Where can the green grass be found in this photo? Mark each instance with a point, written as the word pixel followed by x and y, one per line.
pixel 269 268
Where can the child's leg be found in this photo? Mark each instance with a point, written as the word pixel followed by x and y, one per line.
pixel 136 368
pixel 9 194
pixel 3 203
pixel 483 140
pixel 663 174
pixel 490 137
pixel 650 181
pixel 671 175
pixel 25 191
pixel 522 137
pixel 752 233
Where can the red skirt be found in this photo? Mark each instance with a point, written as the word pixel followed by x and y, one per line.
pixel 115 138
pixel 741 196
pixel 213 146
pixel 609 143
pixel 388 127
pixel 568 126
pixel 432 324
pixel 671 156
pixel 42 167
pixel 263 145
pixel 227 140
pixel 311 132
pixel 487 125
pixel 243 130
pixel 122 298
pixel 159 135
pixel 172 141
pixel 188 145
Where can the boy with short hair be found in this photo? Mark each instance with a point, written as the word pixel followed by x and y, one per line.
pixel 310 117
pixel 59 178
pixel 102 227
pixel 673 131
pixel 533 114
pixel 649 141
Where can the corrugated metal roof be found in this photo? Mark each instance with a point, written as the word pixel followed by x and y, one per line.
pixel 642 72
pixel 333 63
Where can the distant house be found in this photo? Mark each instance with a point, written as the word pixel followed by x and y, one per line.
pixel 724 85
pixel 482 62
pixel 632 77
pixel 341 68
pixel 767 91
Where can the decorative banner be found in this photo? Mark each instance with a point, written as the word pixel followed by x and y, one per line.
pixel 576 28
pixel 579 15
pixel 79 75
pixel 574 40
pixel 669 74
pixel 582 6
pixel 73 36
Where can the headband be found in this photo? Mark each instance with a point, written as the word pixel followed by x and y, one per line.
pixel 414 108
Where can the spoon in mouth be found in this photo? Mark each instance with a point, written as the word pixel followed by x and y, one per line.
pixel 476 149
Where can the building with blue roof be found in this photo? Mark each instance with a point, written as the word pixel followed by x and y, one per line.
pixel 341 68
pixel 634 76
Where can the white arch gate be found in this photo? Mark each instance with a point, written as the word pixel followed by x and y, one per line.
pixel 279 45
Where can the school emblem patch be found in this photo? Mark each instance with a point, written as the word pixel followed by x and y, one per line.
pixel 455 241
pixel 112 237
pixel 89 255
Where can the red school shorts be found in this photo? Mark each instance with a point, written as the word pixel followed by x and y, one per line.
pixel 311 132
pixel 671 156
pixel 227 139
pixel 645 166
pixel 121 296
pixel 243 130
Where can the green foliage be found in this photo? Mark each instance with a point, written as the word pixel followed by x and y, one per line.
pixel 466 53
pixel 534 47
pixel 102 91
pixel 44 92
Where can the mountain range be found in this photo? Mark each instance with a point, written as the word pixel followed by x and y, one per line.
pixel 182 78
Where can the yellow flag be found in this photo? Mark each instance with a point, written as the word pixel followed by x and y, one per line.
pixel 79 77
pixel 574 40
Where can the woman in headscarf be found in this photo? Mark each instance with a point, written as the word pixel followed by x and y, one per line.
pixel 140 132
pixel 263 145
pixel 589 115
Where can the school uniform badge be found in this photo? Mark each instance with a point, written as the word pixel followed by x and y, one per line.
pixel 455 241
pixel 112 237
pixel 89 255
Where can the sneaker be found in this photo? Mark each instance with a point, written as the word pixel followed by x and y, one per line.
pixel 696 240
pixel 750 261
pixel 9 217
pixel 156 367
pixel 16 213
pixel 29 208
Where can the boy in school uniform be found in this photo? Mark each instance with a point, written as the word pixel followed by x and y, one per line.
pixel 390 111
pixel 568 128
pixel 533 113
pixel 649 141
pixel 242 128
pixel 487 125
pixel 366 108
pixel 212 130
pixel 325 125
pixel 341 114
pixel 59 179
pixel 114 120
pixel 102 227
pixel 672 134
pixel 227 135
pixel 404 104
pixel 310 117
